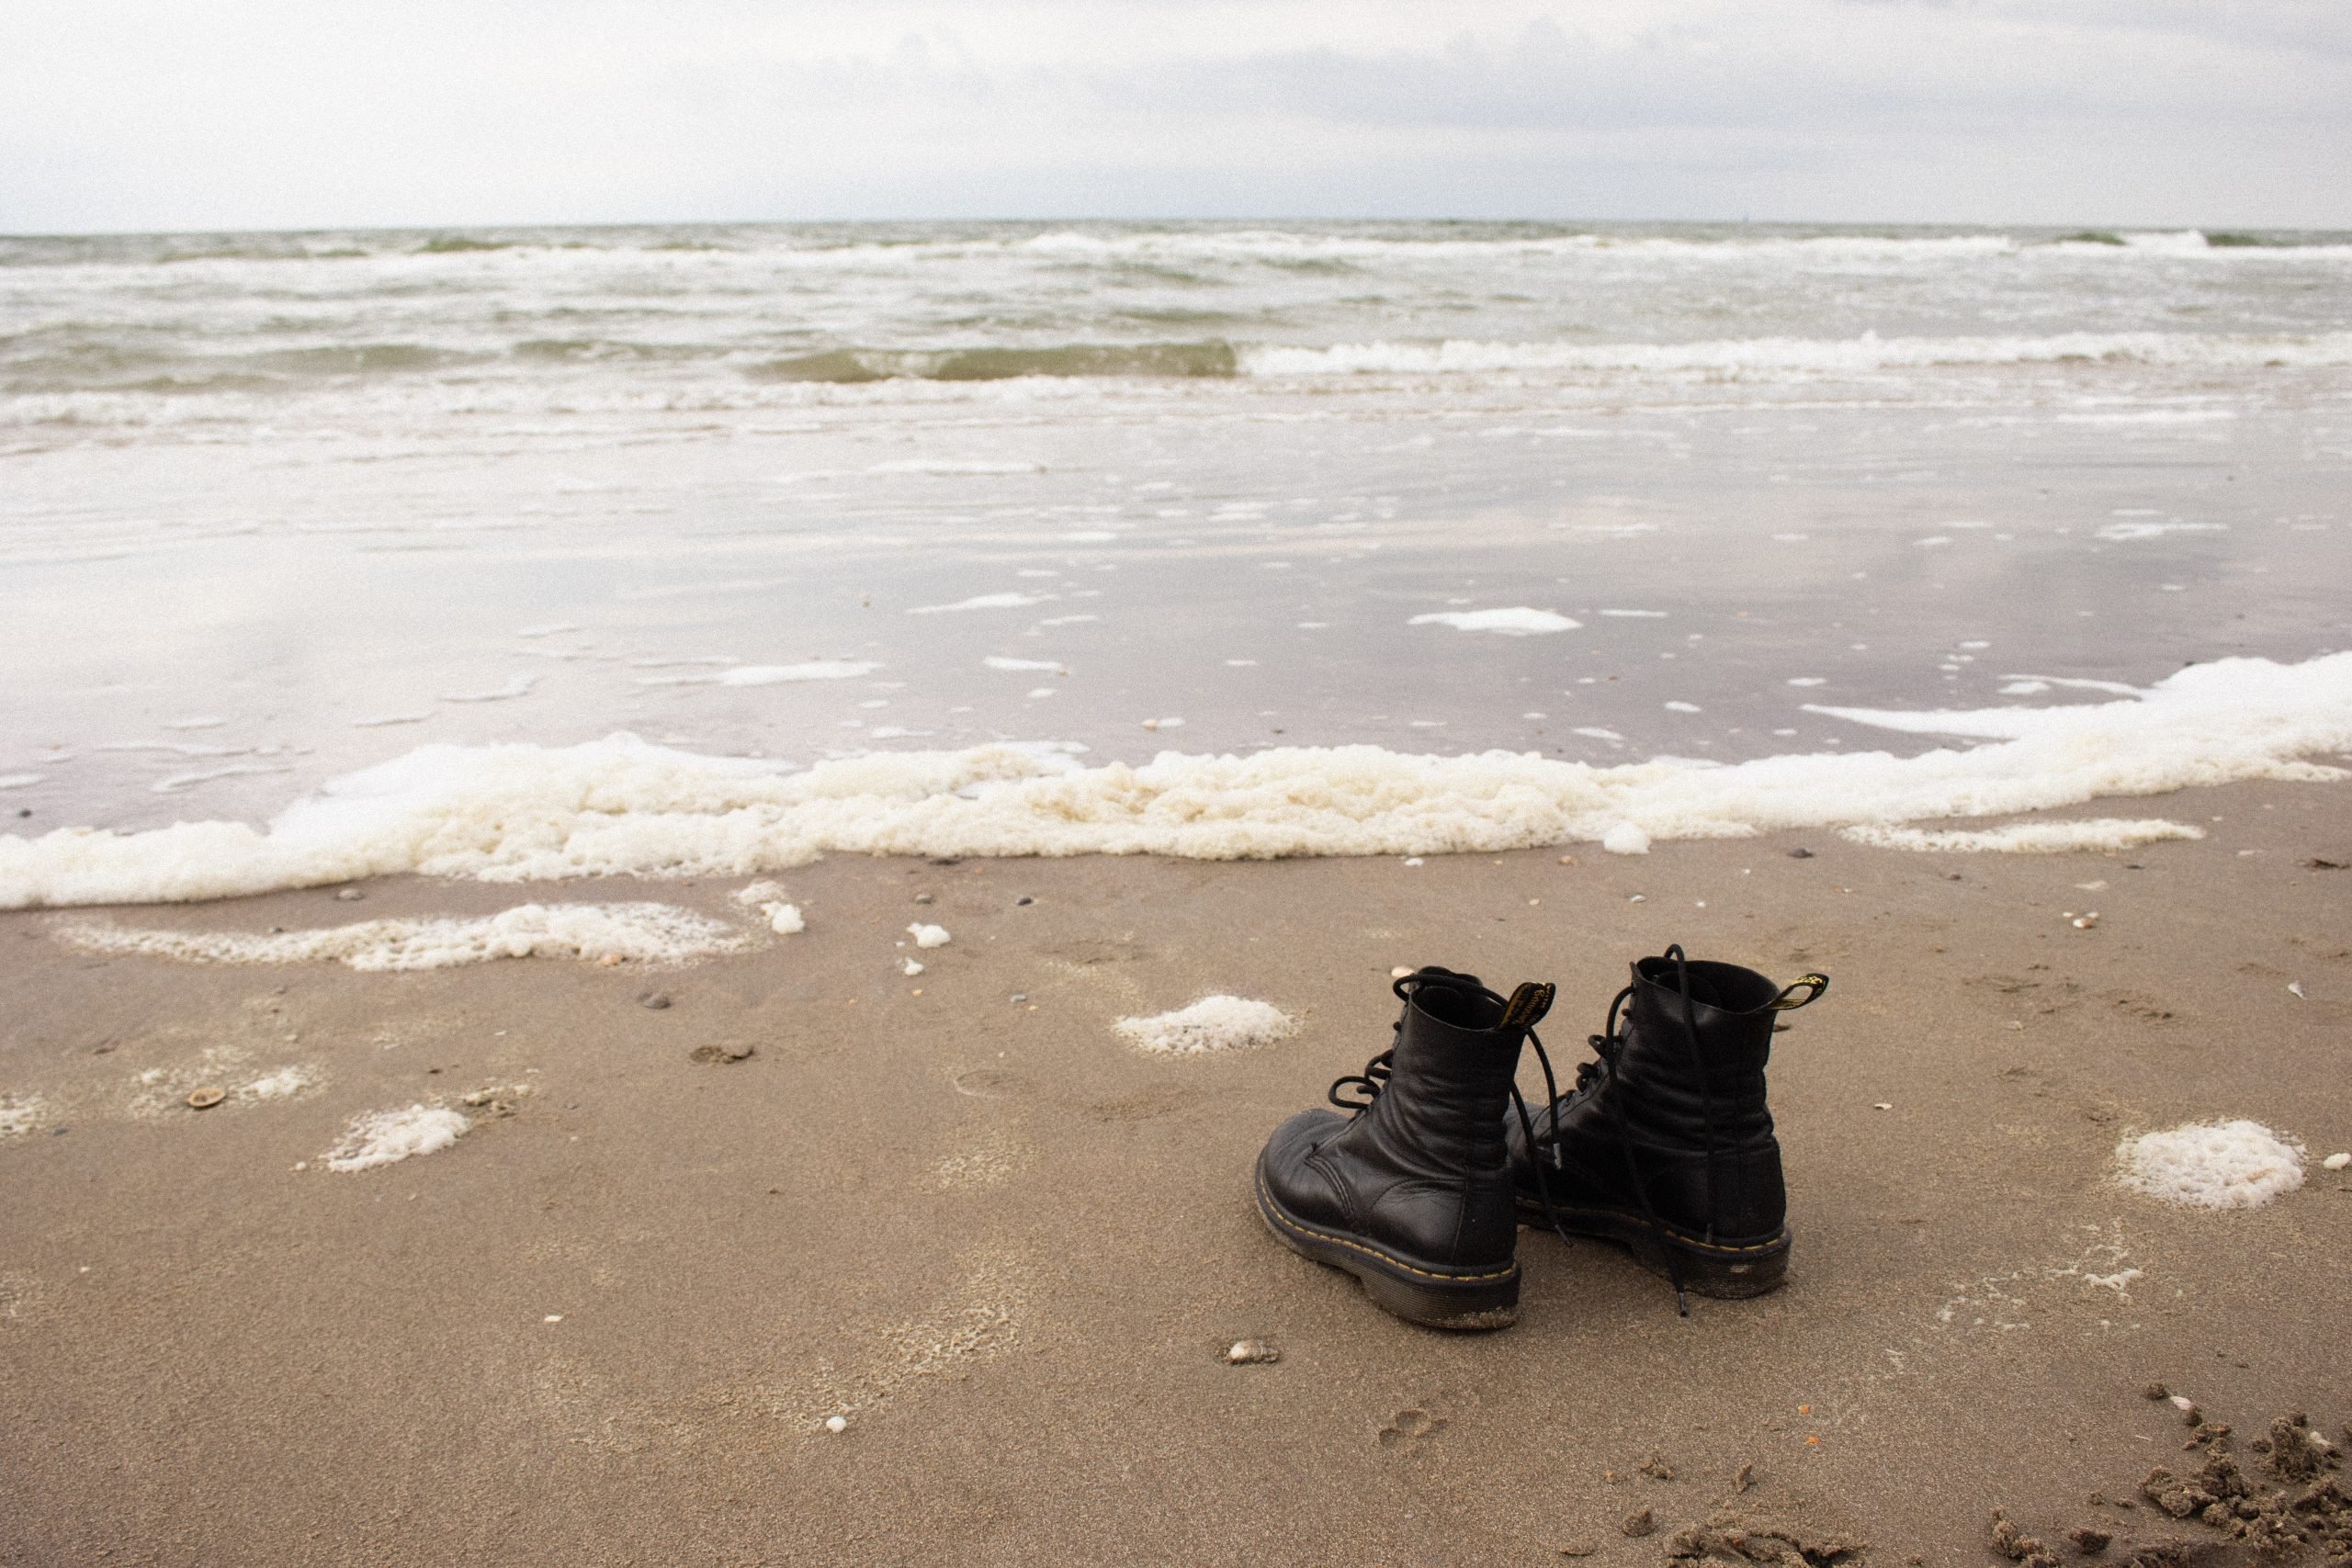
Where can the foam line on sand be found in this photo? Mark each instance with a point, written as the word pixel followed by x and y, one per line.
pixel 621 806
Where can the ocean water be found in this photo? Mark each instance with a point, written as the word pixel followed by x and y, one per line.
pixel 952 509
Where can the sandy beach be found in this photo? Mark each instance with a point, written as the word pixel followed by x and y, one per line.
pixel 608 1323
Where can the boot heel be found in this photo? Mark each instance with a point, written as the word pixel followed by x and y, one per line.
pixel 1464 1308
pixel 1724 1272
pixel 1435 1300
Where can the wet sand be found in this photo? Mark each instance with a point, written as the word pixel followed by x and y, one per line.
pixel 607 1327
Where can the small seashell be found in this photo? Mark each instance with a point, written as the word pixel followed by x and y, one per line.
pixel 1413 859
pixel 1247 1351
pixel 2295 989
pixel 836 1423
pixel 1399 973
pixel 206 1099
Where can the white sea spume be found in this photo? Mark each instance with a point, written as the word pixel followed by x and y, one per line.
pixel 621 806
pixel 2212 1165
pixel 388 1137
pixel 1213 1023
pixel 655 933
pixel 2026 838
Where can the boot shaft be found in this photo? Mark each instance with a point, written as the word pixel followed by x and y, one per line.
pixel 1693 1060
pixel 1450 1075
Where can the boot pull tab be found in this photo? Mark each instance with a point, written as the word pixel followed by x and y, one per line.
pixel 1812 985
pixel 1530 1003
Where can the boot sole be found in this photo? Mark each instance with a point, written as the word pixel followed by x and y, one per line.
pixel 1729 1270
pixel 1465 1301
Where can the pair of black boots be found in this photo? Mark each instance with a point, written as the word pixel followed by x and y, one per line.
pixel 1665 1144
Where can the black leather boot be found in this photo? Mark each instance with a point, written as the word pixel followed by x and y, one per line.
pixel 1665 1143
pixel 1410 1192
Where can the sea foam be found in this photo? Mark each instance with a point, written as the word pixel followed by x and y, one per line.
pixel 387 1137
pixel 1213 1023
pixel 646 933
pixel 2212 1165
pixel 622 805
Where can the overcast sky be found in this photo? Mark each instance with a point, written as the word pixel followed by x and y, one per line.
pixel 219 114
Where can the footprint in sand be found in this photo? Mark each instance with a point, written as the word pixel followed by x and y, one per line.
pixel 1410 1429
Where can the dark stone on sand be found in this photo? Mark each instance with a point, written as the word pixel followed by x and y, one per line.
pixel 1800 855
pixel 656 1001
pixel 2011 1542
pixel 2088 1542
pixel 709 1054
pixel 1025 898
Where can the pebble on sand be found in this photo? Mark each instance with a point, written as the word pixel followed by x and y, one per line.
pixel 836 1423
pixel 2336 1162
pixel 1247 1352
pixel 206 1099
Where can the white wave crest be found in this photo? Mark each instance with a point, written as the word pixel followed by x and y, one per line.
pixel 1789 355
pixel 620 806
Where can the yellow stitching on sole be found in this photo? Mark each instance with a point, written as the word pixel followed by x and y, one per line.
pixel 1274 1211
